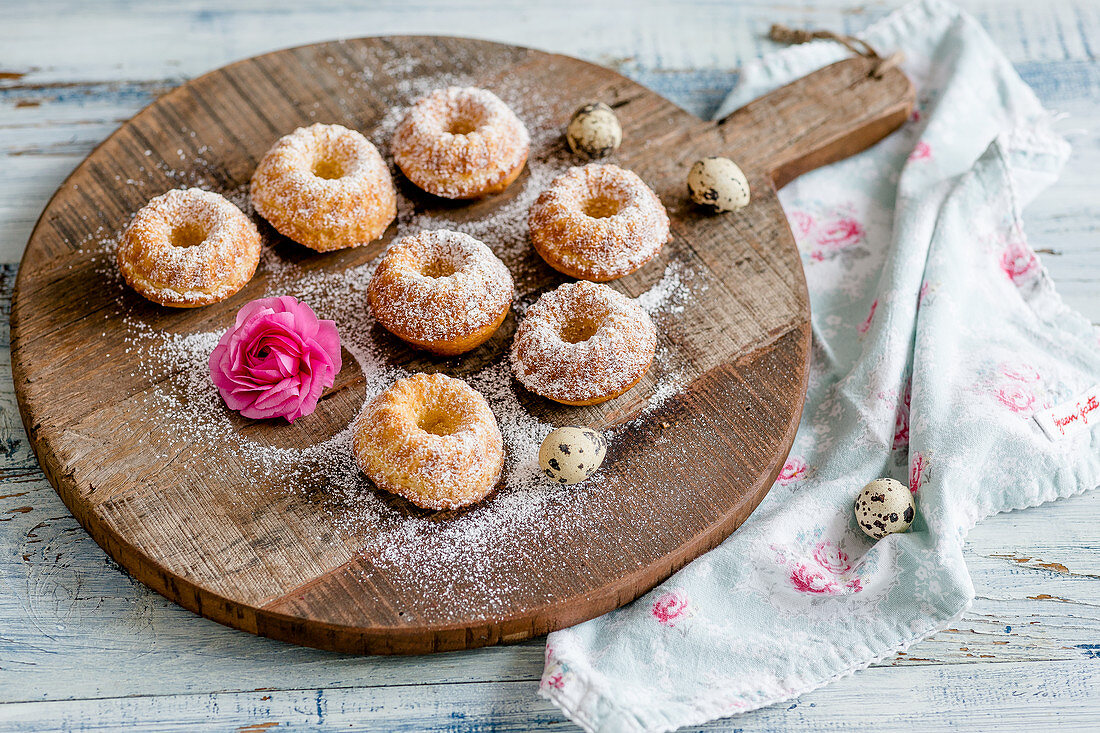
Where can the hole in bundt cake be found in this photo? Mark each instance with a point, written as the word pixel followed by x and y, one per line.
pixel 438 268
pixel 187 235
pixel 437 422
pixel 579 329
pixel 461 125
pixel 601 207
pixel 328 168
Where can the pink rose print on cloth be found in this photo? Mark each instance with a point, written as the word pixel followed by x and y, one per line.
pixel 918 466
pixel 826 235
pixel 276 360
pixel 816 571
pixel 828 572
pixel 801 223
pixel 866 325
pixel 840 232
pixel 1016 386
pixel 1016 397
pixel 1020 372
pixel 901 429
pixel 1019 262
pixel 556 681
pixel 670 607
pixel 811 580
pixel 923 151
pixel 925 289
pixel 554 674
pixel 901 423
pixel 832 558
pixel 836 235
pixel 793 470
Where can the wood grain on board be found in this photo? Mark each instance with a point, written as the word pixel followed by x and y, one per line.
pixel 267 560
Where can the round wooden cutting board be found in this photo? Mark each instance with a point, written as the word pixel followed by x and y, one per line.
pixel 272 553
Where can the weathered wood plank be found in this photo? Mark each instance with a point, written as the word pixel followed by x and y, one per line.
pixel 1064 222
pixel 143 41
pixel 925 698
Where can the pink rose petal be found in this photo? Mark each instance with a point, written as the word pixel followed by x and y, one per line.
pixel 277 359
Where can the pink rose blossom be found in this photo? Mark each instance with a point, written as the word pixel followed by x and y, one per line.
pixel 276 360
pixel 793 470
pixel 1019 262
pixel 854 585
pixel 1016 398
pixel 811 580
pixel 670 606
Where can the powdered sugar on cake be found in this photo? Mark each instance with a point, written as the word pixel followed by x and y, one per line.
pixel 400 543
pixel 583 342
pixel 598 222
pixel 325 186
pixel 440 285
pixel 189 247
pixel 459 142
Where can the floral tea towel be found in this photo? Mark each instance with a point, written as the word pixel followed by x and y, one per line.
pixel 942 356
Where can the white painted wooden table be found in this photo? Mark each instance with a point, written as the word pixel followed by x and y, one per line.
pixel 82 646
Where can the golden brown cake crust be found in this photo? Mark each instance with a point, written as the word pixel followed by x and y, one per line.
pixel 431 439
pixel 441 290
pixel 188 248
pixel 598 222
pixel 583 344
pixel 326 187
pixel 461 143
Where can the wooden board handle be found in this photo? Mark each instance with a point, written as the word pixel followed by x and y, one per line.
pixel 818 119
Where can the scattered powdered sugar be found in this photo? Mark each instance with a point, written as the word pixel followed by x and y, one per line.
pixel 666 299
pixel 409 546
pixel 672 292
pixel 405 544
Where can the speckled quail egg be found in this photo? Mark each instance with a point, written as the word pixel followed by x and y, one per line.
pixel 885 506
pixel 594 131
pixel 719 184
pixel 571 454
